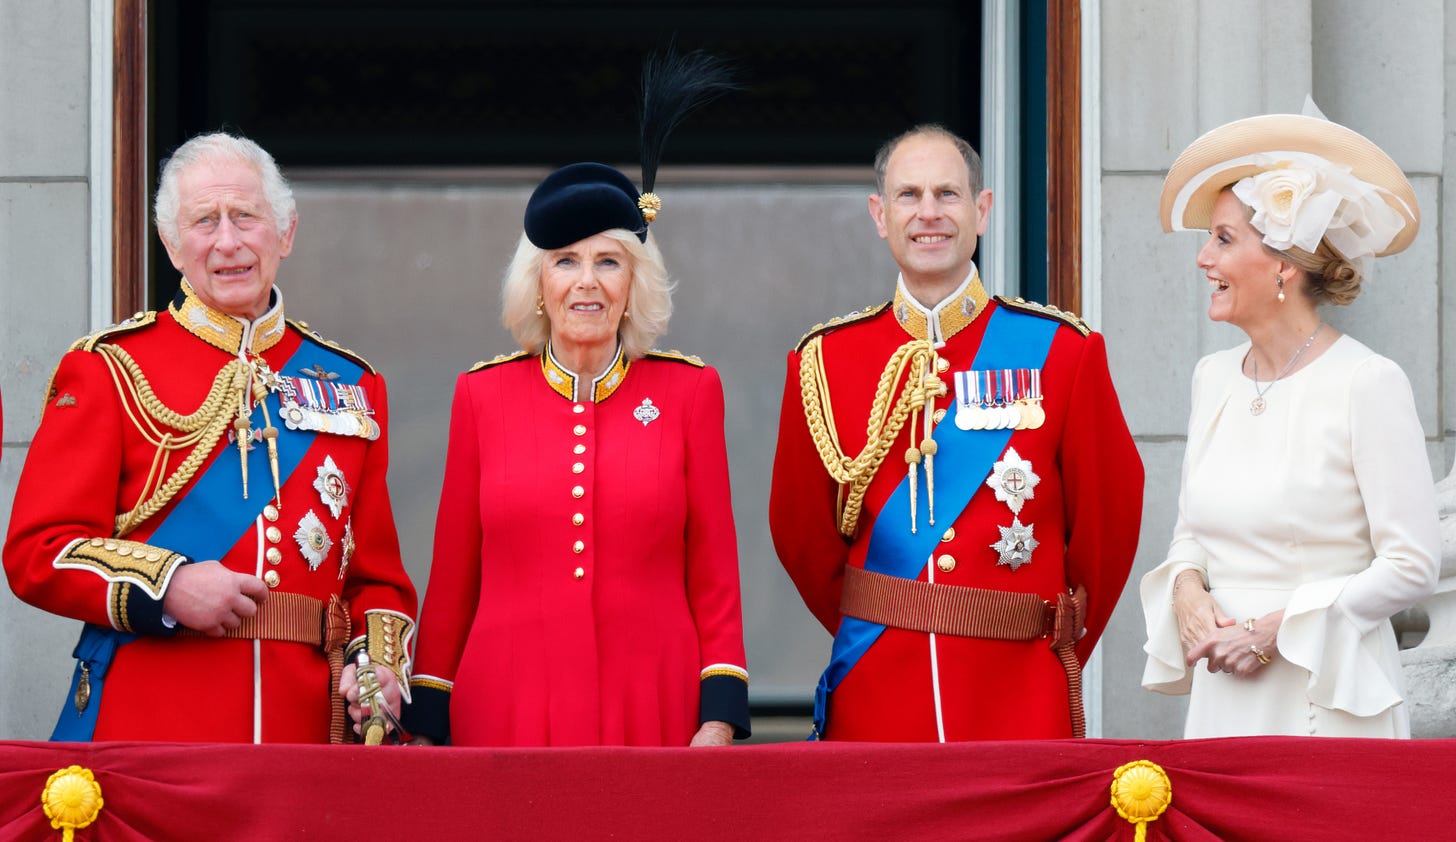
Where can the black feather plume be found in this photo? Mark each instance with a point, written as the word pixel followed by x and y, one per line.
pixel 674 84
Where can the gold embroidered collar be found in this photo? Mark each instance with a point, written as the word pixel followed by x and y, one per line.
pixel 947 318
pixel 565 381
pixel 230 333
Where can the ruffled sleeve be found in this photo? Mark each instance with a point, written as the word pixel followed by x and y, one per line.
pixel 1328 624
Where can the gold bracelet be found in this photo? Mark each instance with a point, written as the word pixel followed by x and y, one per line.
pixel 1177 580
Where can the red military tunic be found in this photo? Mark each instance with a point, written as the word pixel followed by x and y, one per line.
pixel 584 588
pixel 329 533
pixel 1085 513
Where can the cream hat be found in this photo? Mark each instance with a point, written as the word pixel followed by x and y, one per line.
pixel 1304 176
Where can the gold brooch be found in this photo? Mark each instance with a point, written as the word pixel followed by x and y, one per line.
pixel 650 203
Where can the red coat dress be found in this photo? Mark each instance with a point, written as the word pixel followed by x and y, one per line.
pixel 329 533
pixel 1085 513
pixel 584 588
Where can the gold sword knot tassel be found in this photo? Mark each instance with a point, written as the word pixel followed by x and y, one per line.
pixel 912 459
pixel 243 431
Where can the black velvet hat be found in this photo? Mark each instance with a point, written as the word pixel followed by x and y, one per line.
pixel 580 200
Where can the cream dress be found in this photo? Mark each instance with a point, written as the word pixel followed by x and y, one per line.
pixel 1323 506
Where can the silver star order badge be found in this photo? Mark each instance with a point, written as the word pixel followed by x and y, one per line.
pixel 332 488
pixel 1016 544
pixel 313 540
pixel 646 413
pixel 1013 480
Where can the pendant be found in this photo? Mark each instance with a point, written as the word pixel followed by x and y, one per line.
pixel 1256 406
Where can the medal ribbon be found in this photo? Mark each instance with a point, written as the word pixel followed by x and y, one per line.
pixel 211 515
pixel 1012 340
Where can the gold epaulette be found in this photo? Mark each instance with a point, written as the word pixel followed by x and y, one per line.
pixel 136 322
pixel 676 355
pixel 1046 311
pixel 840 321
pixel 313 336
pixel 499 358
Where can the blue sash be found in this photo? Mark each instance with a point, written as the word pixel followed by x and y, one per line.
pixel 203 525
pixel 963 460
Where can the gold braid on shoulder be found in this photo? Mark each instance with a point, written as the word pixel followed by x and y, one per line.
pixel 887 418
pixel 200 430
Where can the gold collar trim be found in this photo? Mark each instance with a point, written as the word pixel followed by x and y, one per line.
pixel 565 382
pixel 947 318
pixel 229 333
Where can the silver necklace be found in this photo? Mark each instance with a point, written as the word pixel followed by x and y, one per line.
pixel 1256 406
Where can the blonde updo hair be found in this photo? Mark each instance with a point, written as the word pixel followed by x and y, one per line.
pixel 649 300
pixel 1330 277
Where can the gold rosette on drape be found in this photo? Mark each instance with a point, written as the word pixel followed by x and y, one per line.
pixel 1141 792
pixel 72 800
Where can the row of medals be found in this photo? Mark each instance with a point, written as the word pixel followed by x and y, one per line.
pixel 1024 414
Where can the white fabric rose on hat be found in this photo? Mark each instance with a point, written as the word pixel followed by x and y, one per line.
pixel 1289 207
pixel 1298 201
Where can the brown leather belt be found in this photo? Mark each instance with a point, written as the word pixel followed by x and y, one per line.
pixel 296 618
pixel 973 612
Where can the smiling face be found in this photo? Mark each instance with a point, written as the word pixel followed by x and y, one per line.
pixel 584 287
pixel 1241 272
pixel 228 247
pixel 928 214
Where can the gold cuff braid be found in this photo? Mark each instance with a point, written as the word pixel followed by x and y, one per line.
pixel 887 417
pixel 387 638
pixel 118 560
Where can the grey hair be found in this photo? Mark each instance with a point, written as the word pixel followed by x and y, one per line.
pixel 968 152
pixel 649 298
pixel 211 147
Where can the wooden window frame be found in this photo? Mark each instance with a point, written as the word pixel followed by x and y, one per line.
pixel 1064 154
pixel 129 150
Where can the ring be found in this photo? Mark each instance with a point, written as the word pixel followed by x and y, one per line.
pixel 1249 624
pixel 1259 653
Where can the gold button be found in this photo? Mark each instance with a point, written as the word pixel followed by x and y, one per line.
pixel 154 556
pixel 271 578
pixel 579 449
pixel 579 429
pixel 578 409
pixel 274 555
pixel 939 414
pixel 123 551
pixel 949 535
pixel 274 534
pixel 578 547
pixel 578 468
pixel 946 563
pixel 111 545
pixel 270 512
pixel 577 492
pixel 942 364
pixel 578 519
pixel 98 542
pixel 578 572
